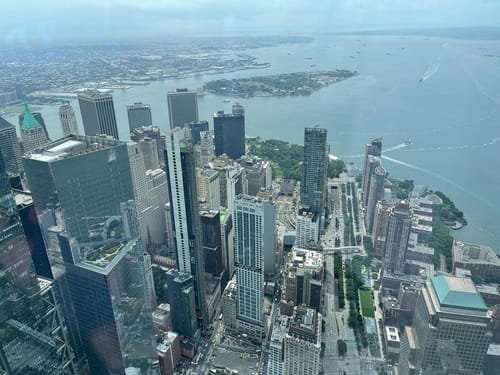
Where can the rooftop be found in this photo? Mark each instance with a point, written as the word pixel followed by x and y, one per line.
pixel 70 146
pixel 4 124
pixel 457 292
pixel 29 121
pixel 474 253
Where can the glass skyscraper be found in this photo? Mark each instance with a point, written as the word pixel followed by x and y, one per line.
pixel 314 170
pixel 98 113
pixel 229 131
pixel 84 198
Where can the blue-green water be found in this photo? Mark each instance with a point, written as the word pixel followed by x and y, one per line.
pixel 452 117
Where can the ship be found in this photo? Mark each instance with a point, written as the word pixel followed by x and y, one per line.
pixel 408 142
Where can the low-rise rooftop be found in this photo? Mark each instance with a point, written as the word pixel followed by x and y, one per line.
pixel 457 292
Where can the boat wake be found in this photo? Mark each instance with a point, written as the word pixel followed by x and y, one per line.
pixel 433 69
pixel 438 176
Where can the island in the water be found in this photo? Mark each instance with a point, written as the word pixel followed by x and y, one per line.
pixel 301 83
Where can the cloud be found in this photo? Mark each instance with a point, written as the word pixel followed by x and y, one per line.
pixel 24 20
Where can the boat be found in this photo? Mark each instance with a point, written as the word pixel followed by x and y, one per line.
pixel 408 142
pixel 421 79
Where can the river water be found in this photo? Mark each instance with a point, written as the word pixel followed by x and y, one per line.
pixel 452 117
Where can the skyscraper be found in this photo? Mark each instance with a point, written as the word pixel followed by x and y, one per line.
pixel 303 342
pixel 250 223
pixel 89 221
pixel 179 157
pixel 151 132
pixel 139 115
pixel 68 119
pixel 32 133
pixel 449 333
pixel 376 193
pixel 9 147
pixel 196 128
pixel 229 131
pixel 374 148
pixel 38 117
pixel 314 170
pixel 182 107
pixel 181 297
pixel 98 113
pixel 212 242
pixel 398 233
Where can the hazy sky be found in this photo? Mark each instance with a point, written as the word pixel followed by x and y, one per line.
pixel 47 21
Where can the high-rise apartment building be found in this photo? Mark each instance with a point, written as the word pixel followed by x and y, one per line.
pixel 83 194
pixel 450 330
pixel 33 134
pixel 68 119
pixel 139 115
pixel 380 225
pixel 314 170
pixel 306 228
pixel 398 233
pixel 98 113
pixel 9 147
pixel 372 149
pixel 251 218
pixel 179 157
pixel 182 107
pixel 276 346
pixel 376 193
pixel 303 342
pixel 229 131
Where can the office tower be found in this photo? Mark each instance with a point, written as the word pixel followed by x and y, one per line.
pixel 139 115
pixel 250 223
pixel 380 225
pixel 205 150
pixel 314 170
pixel 229 131
pixel 90 227
pixel 259 174
pixel 170 228
pixel 30 321
pixel 179 158
pixel 398 233
pixel 149 151
pixel 232 178
pixel 212 242
pixel 208 187
pixel 15 259
pixel 449 333
pixel 376 193
pixel 32 230
pixel 38 117
pixel 9 147
pixel 182 107
pixel 196 128
pixel 152 132
pixel 303 342
pixel 155 220
pixel 307 228
pixel 181 297
pixel 372 149
pixel 32 133
pixel 98 113
pixel 303 279
pixel 68 119
pixel 227 235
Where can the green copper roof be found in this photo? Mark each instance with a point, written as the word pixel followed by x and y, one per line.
pixel 458 292
pixel 29 121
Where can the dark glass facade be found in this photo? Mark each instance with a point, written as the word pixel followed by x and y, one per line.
pixel 229 131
